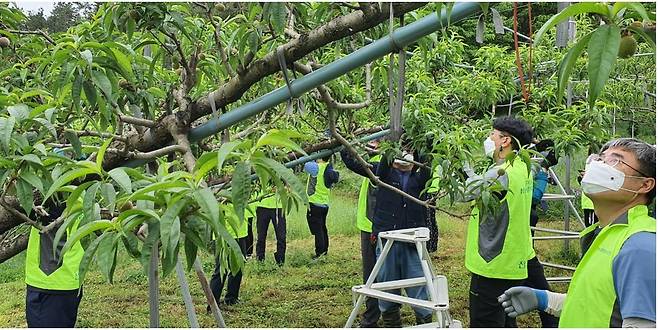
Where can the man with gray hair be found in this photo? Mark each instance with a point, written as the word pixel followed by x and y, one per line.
pixel 614 284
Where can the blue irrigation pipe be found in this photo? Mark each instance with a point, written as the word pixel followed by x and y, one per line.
pixel 401 37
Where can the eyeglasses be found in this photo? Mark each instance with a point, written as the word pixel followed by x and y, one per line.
pixel 610 160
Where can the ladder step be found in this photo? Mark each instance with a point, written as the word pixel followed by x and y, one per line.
pixel 411 235
pixel 548 264
pixel 557 197
pixel 440 286
pixel 400 299
pixel 542 238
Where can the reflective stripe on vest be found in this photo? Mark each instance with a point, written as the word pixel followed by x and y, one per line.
pixel 317 191
pixel 591 297
pixel 500 248
pixel 43 271
pixel 366 205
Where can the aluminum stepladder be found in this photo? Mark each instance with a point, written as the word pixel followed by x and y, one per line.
pixel 436 285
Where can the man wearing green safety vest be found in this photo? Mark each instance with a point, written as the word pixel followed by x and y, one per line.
pixel 223 275
pixel 321 177
pixel 614 284
pixel 53 286
pixel 499 245
pixel 364 213
pixel 270 210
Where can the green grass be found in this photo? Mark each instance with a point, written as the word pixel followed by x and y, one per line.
pixel 302 293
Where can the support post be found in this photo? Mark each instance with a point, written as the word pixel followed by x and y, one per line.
pixel 210 298
pixel 187 296
pixel 567 189
pixel 154 286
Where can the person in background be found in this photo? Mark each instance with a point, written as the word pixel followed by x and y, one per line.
pixel 250 230
pixel 499 245
pixel 223 275
pixel 394 211
pixel 321 177
pixel 270 210
pixel 614 284
pixel 364 213
pixel 53 288
pixel 589 217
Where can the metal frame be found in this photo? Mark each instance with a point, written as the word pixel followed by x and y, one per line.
pixel 437 285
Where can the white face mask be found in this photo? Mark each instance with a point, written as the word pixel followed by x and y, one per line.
pixel 489 147
pixel 600 177
pixel 407 157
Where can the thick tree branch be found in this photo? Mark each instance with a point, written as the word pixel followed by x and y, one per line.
pixel 37 32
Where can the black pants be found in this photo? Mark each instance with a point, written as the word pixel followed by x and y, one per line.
pixel 51 310
pixel 221 276
pixel 250 237
pixel 368 259
pixel 484 309
pixel 537 280
pixel 317 224
pixel 263 218
pixel 589 217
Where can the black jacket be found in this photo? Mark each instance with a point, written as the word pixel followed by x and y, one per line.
pixel 392 210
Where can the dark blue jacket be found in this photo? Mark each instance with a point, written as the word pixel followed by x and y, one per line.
pixel 392 210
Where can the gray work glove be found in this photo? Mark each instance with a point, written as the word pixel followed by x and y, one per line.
pixel 519 300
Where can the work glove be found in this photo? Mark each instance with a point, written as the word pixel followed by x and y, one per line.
pixel 519 300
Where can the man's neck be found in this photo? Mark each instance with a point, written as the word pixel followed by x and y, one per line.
pixel 502 154
pixel 608 212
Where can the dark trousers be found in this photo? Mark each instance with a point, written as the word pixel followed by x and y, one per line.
pixel 263 218
pixel 317 224
pixel 250 237
pixel 537 280
pixel 368 259
pixel 589 217
pixel 484 309
pixel 221 276
pixel 51 310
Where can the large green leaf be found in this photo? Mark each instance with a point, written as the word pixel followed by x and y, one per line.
pixel 207 202
pixel 224 151
pixel 6 128
pixel 278 14
pixel 102 82
pixel 101 154
pixel 76 90
pixel 106 255
pixel 66 178
pixel 19 111
pixel 89 201
pixel 649 38
pixel 204 164
pixel 566 65
pixel 170 227
pixel 573 10
pixel 109 195
pixel 634 6
pixel 75 143
pixel 32 179
pixel 158 186
pixel 90 252
pixel 24 194
pixel 280 138
pixel 602 51
pixel 120 176
pixel 85 231
pixel 241 188
pixel 124 64
pixel 288 176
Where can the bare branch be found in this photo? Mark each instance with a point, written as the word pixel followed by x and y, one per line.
pixel 326 95
pixel 99 134
pixel 37 32
pixel 136 121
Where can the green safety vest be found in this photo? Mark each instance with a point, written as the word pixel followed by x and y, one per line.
pixel 271 202
pixel 585 202
pixel 591 296
pixel 43 271
pixel 317 191
pixel 363 222
pixel 500 248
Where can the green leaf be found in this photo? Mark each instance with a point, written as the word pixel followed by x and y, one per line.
pixel 76 90
pixel 649 38
pixel 19 111
pixel 122 179
pixel 90 251
pixel 90 92
pixel 573 10
pixel 224 151
pixel 130 27
pixel 66 178
pixel 109 195
pixel 634 6
pixel 87 56
pixel 170 227
pixel 75 142
pixel 130 241
pixel 49 126
pixel 32 158
pixel 602 50
pixel 124 64
pixel 89 201
pixel 101 154
pixel 84 231
pixel 158 186
pixel 567 64
pixel 24 194
pixel 278 15
pixel 280 138
pixel 241 188
pixel 204 164
pixel 102 82
pixel 207 202
pixel 32 179
pixel 6 128
pixel 190 252
pixel 106 256
pixel 288 176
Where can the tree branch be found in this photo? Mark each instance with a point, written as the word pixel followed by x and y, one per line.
pixel 326 95
pixel 37 32
pixel 98 134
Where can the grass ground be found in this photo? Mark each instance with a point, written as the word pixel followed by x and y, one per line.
pixel 302 293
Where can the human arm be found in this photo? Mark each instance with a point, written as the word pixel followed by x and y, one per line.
pixel 353 164
pixel 519 300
